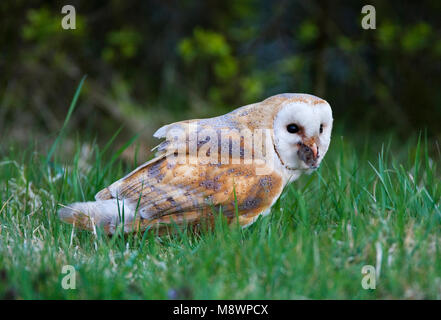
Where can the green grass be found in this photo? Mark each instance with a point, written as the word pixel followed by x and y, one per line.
pixel 367 205
pixel 372 203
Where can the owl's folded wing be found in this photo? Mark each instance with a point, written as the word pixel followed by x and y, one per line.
pixel 167 192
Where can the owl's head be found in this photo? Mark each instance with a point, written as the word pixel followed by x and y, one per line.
pixel 302 131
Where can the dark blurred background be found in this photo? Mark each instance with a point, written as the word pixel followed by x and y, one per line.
pixel 154 62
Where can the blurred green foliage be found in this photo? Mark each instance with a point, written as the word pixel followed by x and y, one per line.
pixel 209 50
pixel 122 44
pixel 151 62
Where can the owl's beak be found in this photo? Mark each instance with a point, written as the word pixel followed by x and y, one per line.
pixel 309 153
pixel 314 149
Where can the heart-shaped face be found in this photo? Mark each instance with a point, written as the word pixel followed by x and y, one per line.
pixel 302 132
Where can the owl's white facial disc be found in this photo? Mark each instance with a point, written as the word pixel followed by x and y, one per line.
pixel 302 133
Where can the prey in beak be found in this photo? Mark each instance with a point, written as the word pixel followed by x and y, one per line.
pixel 309 153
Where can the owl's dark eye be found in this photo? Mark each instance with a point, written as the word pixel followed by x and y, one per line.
pixel 292 128
pixel 321 128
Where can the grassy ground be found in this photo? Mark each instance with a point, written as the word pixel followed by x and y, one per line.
pixel 365 206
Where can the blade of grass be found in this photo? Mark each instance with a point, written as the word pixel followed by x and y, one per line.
pixel 116 155
pixel 66 120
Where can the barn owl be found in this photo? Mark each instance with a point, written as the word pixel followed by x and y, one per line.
pixel 235 165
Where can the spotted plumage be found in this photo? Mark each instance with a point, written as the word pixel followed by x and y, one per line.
pixel 220 165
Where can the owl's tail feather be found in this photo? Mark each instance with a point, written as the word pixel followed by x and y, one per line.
pixel 107 214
